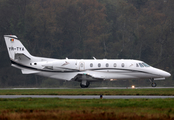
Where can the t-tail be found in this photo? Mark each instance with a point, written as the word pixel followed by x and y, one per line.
pixel 16 49
pixel 18 54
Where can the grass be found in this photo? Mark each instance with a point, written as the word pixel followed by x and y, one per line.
pixel 166 91
pixel 77 109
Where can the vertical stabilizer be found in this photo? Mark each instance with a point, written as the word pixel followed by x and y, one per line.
pixel 15 48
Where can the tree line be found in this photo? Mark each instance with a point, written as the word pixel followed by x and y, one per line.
pixel 81 29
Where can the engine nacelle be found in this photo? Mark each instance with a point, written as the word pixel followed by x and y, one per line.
pixel 43 65
pixel 55 65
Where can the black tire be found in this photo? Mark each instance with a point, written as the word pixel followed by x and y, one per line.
pixel 85 86
pixel 82 86
pixel 154 84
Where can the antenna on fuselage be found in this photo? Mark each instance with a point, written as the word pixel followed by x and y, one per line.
pixel 94 58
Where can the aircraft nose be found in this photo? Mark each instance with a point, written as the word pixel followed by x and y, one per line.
pixel 162 73
pixel 165 74
pixel 168 74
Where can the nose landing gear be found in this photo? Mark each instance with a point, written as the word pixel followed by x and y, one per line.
pixel 153 84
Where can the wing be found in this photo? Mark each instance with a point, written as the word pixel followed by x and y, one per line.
pixel 83 76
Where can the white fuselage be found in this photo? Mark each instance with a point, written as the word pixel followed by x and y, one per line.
pixel 104 69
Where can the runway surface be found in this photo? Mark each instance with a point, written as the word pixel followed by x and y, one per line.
pixel 86 96
pixel 94 88
pixel 89 96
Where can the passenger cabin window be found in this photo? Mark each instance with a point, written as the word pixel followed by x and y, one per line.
pixel 107 65
pixel 115 65
pixel 99 65
pixel 91 65
pixel 122 65
pixel 141 65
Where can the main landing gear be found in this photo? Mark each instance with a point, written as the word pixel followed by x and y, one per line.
pixel 153 84
pixel 84 84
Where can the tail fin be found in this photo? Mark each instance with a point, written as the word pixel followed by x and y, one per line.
pixel 19 56
pixel 16 50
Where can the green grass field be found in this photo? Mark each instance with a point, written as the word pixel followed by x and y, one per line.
pixel 77 109
pixel 166 91
pixel 87 109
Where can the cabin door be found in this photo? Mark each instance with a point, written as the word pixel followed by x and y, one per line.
pixel 82 66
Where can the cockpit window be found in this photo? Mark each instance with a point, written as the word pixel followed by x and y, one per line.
pixel 146 65
pixel 141 65
pixel 137 65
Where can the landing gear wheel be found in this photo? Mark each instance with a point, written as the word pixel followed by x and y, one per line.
pixel 85 86
pixel 154 84
pixel 82 86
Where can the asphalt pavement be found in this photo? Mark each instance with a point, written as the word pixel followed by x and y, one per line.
pixel 86 96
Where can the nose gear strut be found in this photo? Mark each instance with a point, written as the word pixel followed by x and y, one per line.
pixel 153 84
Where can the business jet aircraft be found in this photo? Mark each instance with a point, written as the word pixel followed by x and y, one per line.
pixel 83 71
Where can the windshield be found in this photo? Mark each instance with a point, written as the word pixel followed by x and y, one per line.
pixel 141 65
pixel 146 65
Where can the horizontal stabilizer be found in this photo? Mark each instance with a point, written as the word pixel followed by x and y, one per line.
pixel 21 56
pixel 26 71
